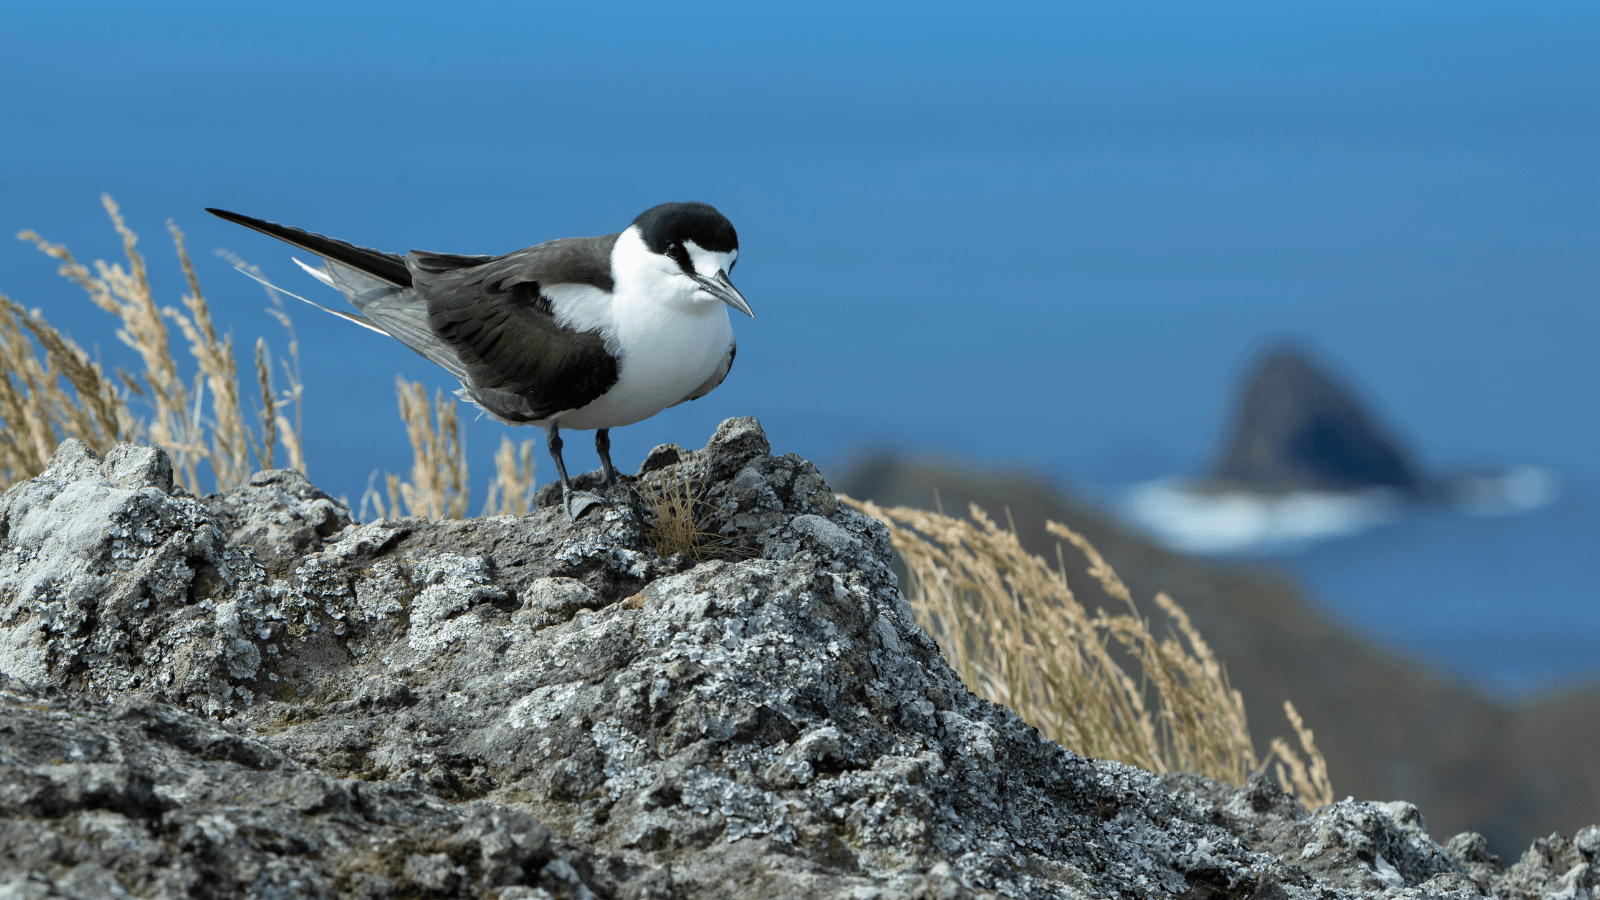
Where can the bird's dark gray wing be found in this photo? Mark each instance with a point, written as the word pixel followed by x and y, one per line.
pixel 561 261
pixel 716 378
pixel 520 362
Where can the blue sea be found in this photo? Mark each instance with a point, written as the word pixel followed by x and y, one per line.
pixel 1034 235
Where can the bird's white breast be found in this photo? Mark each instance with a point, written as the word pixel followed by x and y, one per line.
pixel 667 337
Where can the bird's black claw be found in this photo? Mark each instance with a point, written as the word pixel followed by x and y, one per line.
pixel 579 502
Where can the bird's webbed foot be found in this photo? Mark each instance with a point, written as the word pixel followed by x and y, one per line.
pixel 579 502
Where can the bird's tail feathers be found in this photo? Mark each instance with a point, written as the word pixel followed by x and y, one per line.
pixel 363 321
pixel 319 274
pixel 398 312
pixel 382 265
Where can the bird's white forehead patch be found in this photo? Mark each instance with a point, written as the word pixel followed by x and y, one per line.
pixel 708 262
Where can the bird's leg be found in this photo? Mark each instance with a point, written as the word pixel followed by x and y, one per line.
pixel 602 446
pixel 552 440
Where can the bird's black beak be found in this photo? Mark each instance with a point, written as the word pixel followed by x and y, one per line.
pixel 722 289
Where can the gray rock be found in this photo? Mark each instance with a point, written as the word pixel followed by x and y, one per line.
pixel 250 696
pixel 138 798
pixel 111 583
pixel 278 516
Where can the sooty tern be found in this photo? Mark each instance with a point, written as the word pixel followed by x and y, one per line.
pixel 582 333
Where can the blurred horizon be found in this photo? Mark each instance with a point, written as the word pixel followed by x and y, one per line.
pixel 1029 236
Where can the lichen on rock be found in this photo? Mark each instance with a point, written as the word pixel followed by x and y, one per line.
pixel 111 581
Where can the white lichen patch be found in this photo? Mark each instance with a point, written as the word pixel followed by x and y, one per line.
pixel 101 571
pixel 455 584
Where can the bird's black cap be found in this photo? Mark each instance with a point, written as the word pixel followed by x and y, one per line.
pixel 672 223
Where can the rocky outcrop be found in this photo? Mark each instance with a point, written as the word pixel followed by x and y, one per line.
pixel 250 695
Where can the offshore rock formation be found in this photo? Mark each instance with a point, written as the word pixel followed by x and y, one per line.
pixel 251 695
pixel 1305 460
pixel 1297 428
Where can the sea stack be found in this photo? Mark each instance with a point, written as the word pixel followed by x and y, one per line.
pixel 1298 428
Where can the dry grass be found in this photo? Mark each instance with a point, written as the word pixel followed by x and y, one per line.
pixel 43 401
pixel 273 415
pixel 1201 718
pixel 1008 622
pixel 54 390
pixel 677 520
pixel 66 394
pixel 676 528
pixel 1309 782
pixel 438 486
pixel 511 491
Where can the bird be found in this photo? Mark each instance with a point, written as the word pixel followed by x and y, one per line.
pixel 582 333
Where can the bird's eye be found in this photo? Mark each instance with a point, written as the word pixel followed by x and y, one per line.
pixel 680 255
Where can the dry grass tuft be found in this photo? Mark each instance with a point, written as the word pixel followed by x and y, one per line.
pixel 1201 718
pixel 1010 625
pixel 678 519
pixel 511 491
pixel 230 438
pixel 44 401
pixel 274 415
pixel 1309 783
pixel 39 409
pixel 676 524
pixel 438 487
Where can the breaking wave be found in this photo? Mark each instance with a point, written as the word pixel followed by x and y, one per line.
pixel 1185 517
